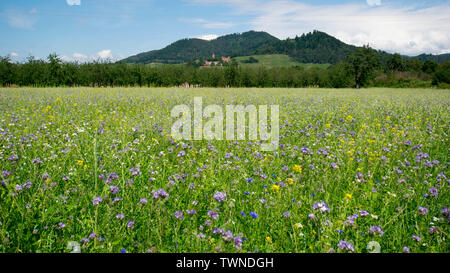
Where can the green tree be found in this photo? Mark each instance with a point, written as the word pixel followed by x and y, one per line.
pixel 6 69
pixel 395 62
pixel 442 74
pixel 362 64
pixel 429 67
pixel 231 73
pixel 338 77
pixel 54 69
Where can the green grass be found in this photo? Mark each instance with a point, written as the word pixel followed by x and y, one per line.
pixel 376 150
pixel 276 60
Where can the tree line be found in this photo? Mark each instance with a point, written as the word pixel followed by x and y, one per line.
pixel 363 68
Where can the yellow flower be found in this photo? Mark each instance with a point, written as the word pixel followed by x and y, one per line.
pixel 269 240
pixel 275 188
pixel 290 181
pixel 75 104
pixel 297 168
pixel 80 163
pixel 348 196
pixel 298 225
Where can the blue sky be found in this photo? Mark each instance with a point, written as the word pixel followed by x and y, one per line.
pixel 89 29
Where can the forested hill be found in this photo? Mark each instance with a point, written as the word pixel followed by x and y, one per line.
pixel 185 50
pixel 314 47
pixel 435 58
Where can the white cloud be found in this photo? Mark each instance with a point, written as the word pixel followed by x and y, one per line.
pixel 73 2
pixel 19 18
pixel 207 37
pixel 14 54
pixel 32 11
pixel 408 30
pixel 210 24
pixel 76 57
pixel 65 58
pixel 79 56
pixel 101 55
pixel 373 2
pixel 105 54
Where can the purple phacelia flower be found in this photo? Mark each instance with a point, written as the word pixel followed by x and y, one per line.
pixel 423 210
pixel 179 215
pixel 120 216
pixel 433 230
pixel 238 242
pixel 6 173
pixel 376 230
pixel 218 231
pixel 135 171
pixel 130 224
pixel 36 161
pixel 363 213
pixel 160 193
pixel 344 245
pixel 434 192
pixel 114 189
pixel 228 235
pixel 220 196
pixel 214 215
pixel 321 206
pixel 97 200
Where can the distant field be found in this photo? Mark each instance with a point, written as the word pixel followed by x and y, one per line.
pixel 98 167
pixel 276 60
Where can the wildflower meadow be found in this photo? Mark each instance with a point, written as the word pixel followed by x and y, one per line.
pixel 97 169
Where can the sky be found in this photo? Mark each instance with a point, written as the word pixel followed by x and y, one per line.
pixel 84 30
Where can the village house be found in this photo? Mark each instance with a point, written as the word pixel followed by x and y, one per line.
pixel 213 57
